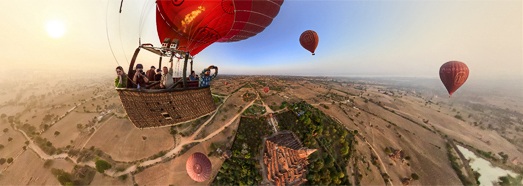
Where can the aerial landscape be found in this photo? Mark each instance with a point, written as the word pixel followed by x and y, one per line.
pixel 289 106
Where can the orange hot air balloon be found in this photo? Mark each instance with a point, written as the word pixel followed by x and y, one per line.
pixel 226 83
pixel 453 74
pixel 265 89
pixel 309 40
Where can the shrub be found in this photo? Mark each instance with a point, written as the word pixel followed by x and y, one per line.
pixel 102 165
pixel 414 176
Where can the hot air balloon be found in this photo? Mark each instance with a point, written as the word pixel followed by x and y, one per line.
pixel 185 28
pixel 309 40
pixel 225 83
pixel 198 167
pixel 453 74
pixel 265 89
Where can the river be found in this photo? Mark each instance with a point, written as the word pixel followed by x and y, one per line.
pixel 488 172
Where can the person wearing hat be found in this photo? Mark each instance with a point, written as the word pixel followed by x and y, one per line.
pixel 206 77
pixel 139 77
pixel 150 73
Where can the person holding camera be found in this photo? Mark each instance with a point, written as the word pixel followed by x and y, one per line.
pixel 139 77
pixel 206 77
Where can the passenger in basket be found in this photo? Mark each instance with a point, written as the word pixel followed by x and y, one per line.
pixel 158 75
pixel 167 78
pixel 206 77
pixel 139 77
pixel 121 79
pixel 193 76
pixel 150 73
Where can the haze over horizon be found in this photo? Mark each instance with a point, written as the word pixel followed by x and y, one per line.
pixel 357 38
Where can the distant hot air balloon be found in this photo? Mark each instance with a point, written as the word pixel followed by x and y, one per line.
pixel 265 89
pixel 226 83
pixel 309 40
pixel 453 74
pixel 198 167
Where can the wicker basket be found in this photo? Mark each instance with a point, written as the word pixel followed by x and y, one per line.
pixel 156 108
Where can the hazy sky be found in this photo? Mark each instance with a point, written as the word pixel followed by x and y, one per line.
pixel 357 38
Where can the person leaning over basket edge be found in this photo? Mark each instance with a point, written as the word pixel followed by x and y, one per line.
pixel 206 77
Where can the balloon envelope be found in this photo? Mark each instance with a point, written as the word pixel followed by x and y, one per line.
pixel 198 167
pixel 309 40
pixel 266 89
pixel 453 74
pixel 199 23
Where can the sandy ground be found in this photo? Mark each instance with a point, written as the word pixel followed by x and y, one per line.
pixel 124 142
pixel 101 179
pixel 67 128
pixel 232 106
pixel 173 172
pixel 28 169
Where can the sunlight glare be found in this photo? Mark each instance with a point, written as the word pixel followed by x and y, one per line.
pixel 55 28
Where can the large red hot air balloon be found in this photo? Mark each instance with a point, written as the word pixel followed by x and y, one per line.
pixel 309 40
pixel 453 74
pixel 198 24
pixel 265 89
pixel 198 167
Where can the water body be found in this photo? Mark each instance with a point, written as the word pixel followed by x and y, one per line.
pixel 488 172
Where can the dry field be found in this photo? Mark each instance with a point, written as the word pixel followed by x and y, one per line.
pixel 124 142
pixel 102 179
pixel 358 105
pixel 229 109
pixel 28 169
pixel 173 172
pixel 11 148
pixel 67 127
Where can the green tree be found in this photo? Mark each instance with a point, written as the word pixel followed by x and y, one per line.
pixel 414 176
pixel 2 161
pixel 510 181
pixel 102 165
pixel 9 160
pixel 6 130
pixel 56 133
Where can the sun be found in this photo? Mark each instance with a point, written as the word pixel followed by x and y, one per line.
pixel 55 28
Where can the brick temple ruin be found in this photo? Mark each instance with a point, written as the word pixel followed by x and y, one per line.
pixel 285 159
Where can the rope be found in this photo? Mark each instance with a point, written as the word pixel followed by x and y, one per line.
pixel 120 35
pixel 107 33
pixel 143 17
pixel 178 68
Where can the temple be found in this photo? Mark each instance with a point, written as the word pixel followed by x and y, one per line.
pixel 285 159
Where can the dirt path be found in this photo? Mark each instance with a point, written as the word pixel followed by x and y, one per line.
pixel 171 153
pixel 95 130
pixel 206 122
pixel 379 159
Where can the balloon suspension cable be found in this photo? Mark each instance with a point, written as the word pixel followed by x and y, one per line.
pixel 120 34
pixel 121 3
pixel 107 33
pixel 178 67
pixel 143 17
